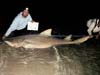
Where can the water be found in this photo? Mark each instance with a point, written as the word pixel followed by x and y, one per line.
pixel 80 59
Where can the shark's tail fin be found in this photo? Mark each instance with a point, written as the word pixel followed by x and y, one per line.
pixel 81 40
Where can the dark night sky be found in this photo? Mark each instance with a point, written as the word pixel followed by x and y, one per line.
pixel 63 17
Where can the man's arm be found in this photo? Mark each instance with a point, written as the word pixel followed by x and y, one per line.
pixel 12 28
pixel 7 33
pixel 91 28
pixel 89 32
pixel 30 18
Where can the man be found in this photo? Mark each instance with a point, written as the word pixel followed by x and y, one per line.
pixel 93 27
pixel 19 23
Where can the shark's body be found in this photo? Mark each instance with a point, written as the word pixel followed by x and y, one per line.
pixel 40 41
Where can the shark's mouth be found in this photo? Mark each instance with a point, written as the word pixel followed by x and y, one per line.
pixel 10 44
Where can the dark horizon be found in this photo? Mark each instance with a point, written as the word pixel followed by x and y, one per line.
pixel 63 19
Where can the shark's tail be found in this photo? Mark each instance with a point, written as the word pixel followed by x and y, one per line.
pixel 81 40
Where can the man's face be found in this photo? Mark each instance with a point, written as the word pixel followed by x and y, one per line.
pixel 25 13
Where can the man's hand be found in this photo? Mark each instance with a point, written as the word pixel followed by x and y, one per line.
pixel 91 36
pixel 32 21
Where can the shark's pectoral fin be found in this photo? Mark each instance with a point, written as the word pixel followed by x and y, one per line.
pixel 46 32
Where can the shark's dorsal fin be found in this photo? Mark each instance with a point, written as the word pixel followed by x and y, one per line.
pixel 46 32
pixel 68 38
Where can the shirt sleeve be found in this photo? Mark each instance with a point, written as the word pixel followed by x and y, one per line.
pixel 12 27
pixel 91 27
pixel 29 18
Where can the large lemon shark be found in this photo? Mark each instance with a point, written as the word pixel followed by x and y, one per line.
pixel 42 40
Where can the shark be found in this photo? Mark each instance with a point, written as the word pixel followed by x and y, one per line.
pixel 42 40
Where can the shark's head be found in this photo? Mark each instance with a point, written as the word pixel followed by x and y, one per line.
pixel 15 42
pixel 12 44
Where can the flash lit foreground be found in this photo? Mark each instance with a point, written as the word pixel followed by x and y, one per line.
pixel 52 61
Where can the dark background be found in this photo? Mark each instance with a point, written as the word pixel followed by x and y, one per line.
pixel 63 16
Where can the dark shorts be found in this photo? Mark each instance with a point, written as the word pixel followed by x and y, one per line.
pixel 21 32
pixel 95 33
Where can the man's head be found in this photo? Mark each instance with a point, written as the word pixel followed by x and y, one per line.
pixel 25 12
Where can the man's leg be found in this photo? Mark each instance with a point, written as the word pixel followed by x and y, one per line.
pixel 98 35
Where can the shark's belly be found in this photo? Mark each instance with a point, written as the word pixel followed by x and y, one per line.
pixel 35 46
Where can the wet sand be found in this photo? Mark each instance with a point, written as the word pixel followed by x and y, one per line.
pixel 61 60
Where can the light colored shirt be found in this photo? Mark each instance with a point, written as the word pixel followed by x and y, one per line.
pixel 18 23
pixel 91 26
